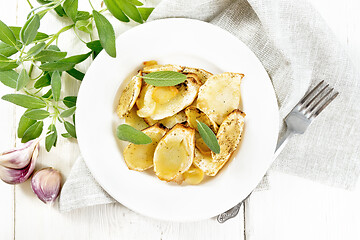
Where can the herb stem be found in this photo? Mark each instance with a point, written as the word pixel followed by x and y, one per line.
pixel 56 35
pixel 31 6
pixel 78 35
pixel 31 69
pixel 91 5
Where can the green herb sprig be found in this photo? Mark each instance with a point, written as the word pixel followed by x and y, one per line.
pixel 24 50
pixel 164 78
pixel 208 136
pixel 128 133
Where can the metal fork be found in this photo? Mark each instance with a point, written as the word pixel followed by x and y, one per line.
pixel 297 121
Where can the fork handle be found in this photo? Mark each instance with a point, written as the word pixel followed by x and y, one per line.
pixel 283 141
pixel 232 212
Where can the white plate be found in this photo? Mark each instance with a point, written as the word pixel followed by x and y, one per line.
pixel 191 43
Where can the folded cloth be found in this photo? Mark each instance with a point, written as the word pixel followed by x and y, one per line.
pixel 298 50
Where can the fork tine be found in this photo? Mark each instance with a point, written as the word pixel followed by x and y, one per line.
pixel 318 102
pixel 316 97
pixel 309 93
pixel 324 105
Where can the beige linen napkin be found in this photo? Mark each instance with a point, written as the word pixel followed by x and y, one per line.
pixel 298 50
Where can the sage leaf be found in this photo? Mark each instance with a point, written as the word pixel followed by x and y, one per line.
pixel 66 135
pixel 49 55
pixel 51 138
pixel 29 30
pixel 135 2
pixel 82 15
pixel 16 31
pixel 54 47
pixel 24 124
pixel 7 50
pixel 70 128
pixel 76 74
pixel 70 101
pixel 145 12
pixel 36 49
pixel 84 25
pixel 95 46
pixel 60 11
pixel 6 34
pixel 127 133
pixel 164 78
pixel 106 33
pixel 37 114
pixel 44 1
pixel 48 94
pixel 57 66
pixel 24 101
pixel 75 59
pixel 22 80
pixel 68 112
pixel 208 136
pixel 130 10
pixel 71 8
pixel 43 81
pixel 7 63
pixel 56 85
pixel 34 131
pixel 65 64
pixel 9 78
pixel 116 11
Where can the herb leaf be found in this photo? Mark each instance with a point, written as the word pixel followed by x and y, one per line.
pixel 106 33
pixel 51 139
pixel 71 8
pixel 116 11
pixel 7 50
pixel 24 124
pixel 44 81
pixel 95 46
pixel 7 63
pixel 49 55
pixel 34 131
pixel 22 80
pixel 130 10
pixel 70 101
pixel 164 78
pixel 6 35
pixel 70 128
pixel 24 101
pixel 37 114
pixel 36 49
pixel 127 133
pixel 76 74
pixel 56 85
pixel 68 112
pixel 145 12
pixel 29 30
pixel 9 78
pixel 208 136
pixel 16 31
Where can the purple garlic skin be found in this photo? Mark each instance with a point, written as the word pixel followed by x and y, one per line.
pixel 17 165
pixel 46 184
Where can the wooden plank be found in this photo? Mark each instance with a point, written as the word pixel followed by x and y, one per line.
pixel 7 138
pixel 299 209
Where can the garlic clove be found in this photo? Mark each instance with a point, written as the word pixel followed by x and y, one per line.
pixel 19 157
pixel 46 184
pixel 14 176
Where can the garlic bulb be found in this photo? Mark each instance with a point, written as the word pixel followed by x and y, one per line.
pixel 17 165
pixel 46 184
